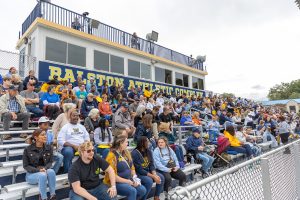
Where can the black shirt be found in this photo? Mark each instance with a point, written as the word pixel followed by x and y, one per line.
pixel 87 174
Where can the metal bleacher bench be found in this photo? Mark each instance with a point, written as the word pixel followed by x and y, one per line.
pixel 9 152
pixel 12 132
pixel 23 190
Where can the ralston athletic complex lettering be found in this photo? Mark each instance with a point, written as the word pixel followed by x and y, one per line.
pixel 47 70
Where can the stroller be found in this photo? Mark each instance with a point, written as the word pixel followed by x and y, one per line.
pixel 221 157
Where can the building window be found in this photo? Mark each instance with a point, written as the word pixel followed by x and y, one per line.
pixel 101 61
pixel 163 75
pixel 197 83
pixel 56 50
pixel 116 64
pixel 76 55
pixel 134 68
pixel 182 79
pixel 145 71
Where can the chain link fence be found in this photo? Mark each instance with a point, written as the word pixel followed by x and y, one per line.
pixel 23 63
pixel 272 176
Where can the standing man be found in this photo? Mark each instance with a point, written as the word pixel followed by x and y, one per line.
pixel 84 176
pixel 12 107
pixel 70 137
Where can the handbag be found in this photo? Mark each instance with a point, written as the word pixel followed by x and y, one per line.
pixel 171 163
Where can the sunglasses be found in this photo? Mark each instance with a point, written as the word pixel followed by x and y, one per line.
pixel 90 150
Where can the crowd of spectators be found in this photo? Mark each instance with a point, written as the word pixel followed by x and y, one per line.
pixel 109 115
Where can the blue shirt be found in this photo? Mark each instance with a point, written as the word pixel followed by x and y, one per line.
pixel 13 105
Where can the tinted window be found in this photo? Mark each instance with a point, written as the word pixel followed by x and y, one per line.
pixel 76 55
pixel 56 50
pixel 134 68
pixel 116 64
pixel 145 71
pixel 101 61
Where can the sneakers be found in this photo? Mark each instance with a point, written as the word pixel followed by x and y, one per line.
pixel 23 135
pixel 53 197
pixel 7 137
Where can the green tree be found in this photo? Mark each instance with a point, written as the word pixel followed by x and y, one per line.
pixel 225 95
pixel 285 91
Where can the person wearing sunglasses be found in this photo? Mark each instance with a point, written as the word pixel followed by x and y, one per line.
pixel 84 176
pixel 37 162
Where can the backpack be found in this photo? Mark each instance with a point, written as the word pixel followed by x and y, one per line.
pixel 223 144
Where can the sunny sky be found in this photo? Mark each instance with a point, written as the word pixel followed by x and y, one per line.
pixel 250 44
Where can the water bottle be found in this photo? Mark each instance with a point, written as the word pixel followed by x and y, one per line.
pixel 192 160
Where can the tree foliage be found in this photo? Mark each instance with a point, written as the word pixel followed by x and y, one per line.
pixel 225 95
pixel 285 91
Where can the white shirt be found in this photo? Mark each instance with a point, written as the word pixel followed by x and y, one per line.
pixel 73 134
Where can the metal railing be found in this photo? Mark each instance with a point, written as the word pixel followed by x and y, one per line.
pixel 23 63
pixel 68 18
pixel 272 176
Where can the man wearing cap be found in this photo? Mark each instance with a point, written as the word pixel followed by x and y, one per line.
pixel 90 83
pixel 88 104
pixel 133 107
pixel 44 123
pixel 122 120
pixel 70 137
pixel 195 145
pixel 12 107
pixel 31 100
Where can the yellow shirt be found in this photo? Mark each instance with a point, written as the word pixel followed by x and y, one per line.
pixel 44 87
pixel 147 93
pixel 234 142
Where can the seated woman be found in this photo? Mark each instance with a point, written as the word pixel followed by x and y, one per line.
pixel 37 161
pixel 235 144
pixel 92 122
pixel 104 108
pixel 127 182
pixel 243 137
pixel 144 165
pixel 167 164
pixel 103 137
pixel 186 119
pixel 196 118
pixel 50 102
pixel 144 128
pixel 164 131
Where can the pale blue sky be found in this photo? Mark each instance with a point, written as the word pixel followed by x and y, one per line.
pixel 250 44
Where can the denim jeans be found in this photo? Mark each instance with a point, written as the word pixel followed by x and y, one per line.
pixel 207 161
pixel 213 135
pixel 41 178
pixel 37 112
pixel 132 193
pixel 58 159
pixel 100 192
pixel 148 182
pixel 68 153
pixel 179 153
pixel 103 152
pixel 245 149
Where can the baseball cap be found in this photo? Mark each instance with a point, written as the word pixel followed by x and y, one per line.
pixel 125 104
pixel 196 130
pixel 43 120
pixel 13 87
pixel 90 95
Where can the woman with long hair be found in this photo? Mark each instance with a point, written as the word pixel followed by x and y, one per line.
pixel 144 166
pixel 127 182
pixel 51 103
pixel 167 164
pixel 144 128
pixel 37 161
pixel 103 137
